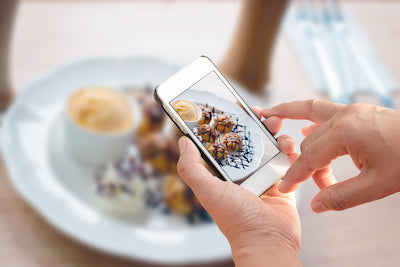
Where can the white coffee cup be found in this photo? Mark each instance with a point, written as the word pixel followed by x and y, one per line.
pixel 97 148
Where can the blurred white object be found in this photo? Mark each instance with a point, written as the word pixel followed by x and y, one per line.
pixel 311 24
pixel 348 52
pixel 59 187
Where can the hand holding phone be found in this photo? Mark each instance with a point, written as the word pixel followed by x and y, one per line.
pixel 259 230
pixel 232 140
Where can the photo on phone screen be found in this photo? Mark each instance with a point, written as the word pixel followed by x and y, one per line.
pixel 225 128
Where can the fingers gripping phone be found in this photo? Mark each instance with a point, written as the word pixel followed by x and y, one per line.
pixel 230 137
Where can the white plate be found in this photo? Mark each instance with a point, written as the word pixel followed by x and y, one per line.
pixel 50 181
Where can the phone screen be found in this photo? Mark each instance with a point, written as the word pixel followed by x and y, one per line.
pixel 236 142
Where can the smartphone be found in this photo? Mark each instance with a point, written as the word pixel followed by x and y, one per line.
pixel 231 138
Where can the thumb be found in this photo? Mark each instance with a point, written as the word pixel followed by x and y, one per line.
pixel 360 189
pixel 205 185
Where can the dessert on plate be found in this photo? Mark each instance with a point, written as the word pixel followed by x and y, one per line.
pixel 153 116
pixel 206 115
pixel 126 187
pixel 232 141
pixel 217 150
pixel 223 123
pixel 160 150
pixel 207 133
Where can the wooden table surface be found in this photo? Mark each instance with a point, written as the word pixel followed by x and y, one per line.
pixel 49 33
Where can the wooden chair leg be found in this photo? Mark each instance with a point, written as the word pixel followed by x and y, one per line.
pixel 7 14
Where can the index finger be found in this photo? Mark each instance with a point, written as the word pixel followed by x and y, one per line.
pixel 316 156
pixel 314 110
pixel 273 124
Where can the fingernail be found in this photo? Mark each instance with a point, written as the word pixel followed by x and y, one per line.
pixel 182 144
pixel 318 206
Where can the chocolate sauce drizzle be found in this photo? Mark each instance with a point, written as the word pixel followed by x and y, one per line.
pixel 244 156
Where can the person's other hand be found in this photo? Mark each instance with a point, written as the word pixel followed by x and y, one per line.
pixel 261 230
pixel 369 134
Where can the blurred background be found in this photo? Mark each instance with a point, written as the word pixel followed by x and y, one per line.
pixel 273 51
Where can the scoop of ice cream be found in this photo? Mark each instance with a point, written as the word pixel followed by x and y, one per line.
pixel 187 110
pixel 127 187
pixel 100 110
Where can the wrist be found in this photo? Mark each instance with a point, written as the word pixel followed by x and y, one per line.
pixel 271 249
